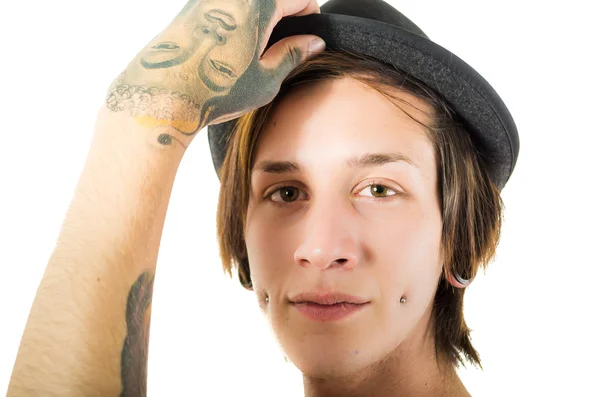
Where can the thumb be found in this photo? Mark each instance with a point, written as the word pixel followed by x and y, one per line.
pixel 288 53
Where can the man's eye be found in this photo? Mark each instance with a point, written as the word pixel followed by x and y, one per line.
pixel 286 194
pixel 289 194
pixel 378 190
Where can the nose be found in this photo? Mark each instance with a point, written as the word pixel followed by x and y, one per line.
pixel 330 238
pixel 204 32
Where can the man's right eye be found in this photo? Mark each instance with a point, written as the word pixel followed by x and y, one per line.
pixel 284 194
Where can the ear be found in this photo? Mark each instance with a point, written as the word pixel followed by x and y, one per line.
pixel 246 283
pixel 453 280
pixel 244 274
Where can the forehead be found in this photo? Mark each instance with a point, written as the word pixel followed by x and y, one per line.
pixel 325 122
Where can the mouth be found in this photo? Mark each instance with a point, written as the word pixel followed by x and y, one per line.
pixel 328 312
pixel 328 298
pixel 222 68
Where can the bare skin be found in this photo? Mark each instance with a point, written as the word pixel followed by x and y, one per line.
pixel 344 202
pixel 87 332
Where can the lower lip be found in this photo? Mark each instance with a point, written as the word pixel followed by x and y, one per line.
pixel 317 312
pixel 217 69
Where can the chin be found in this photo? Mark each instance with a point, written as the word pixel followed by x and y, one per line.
pixel 329 367
pixel 328 362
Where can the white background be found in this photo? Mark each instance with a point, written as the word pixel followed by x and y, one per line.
pixel 534 314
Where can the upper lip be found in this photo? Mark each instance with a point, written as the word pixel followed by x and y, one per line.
pixel 327 298
pixel 228 70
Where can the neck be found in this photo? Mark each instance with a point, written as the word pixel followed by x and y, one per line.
pixel 411 370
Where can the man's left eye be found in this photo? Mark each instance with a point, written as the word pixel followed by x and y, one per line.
pixel 380 191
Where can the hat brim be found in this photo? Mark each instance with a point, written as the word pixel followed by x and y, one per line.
pixel 482 110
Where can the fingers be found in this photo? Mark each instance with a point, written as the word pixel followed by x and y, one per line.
pixel 288 53
pixel 298 8
pixel 285 8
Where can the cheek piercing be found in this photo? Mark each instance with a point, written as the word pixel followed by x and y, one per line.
pixel 267 299
pixel 403 300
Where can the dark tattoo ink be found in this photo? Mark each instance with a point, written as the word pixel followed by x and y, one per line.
pixel 152 102
pixel 209 73
pixel 134 357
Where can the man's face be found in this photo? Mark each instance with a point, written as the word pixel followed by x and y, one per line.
pixel 322 227
pixel 213 40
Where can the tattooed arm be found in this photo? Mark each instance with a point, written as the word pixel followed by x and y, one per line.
pixel 87 332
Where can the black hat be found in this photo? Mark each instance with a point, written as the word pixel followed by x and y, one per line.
pixel 376 29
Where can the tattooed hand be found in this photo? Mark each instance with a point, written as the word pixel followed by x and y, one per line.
pixel 183 80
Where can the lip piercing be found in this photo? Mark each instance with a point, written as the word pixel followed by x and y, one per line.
pixel 267 299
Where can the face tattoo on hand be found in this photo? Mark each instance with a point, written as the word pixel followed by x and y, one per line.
pixel 222 35
pixel 200 56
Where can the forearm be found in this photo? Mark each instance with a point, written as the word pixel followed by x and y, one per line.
pixel 87 329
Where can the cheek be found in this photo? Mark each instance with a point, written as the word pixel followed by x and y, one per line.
pixel 405 265
pixel 405 247
pixel 268 250
pixel 404 230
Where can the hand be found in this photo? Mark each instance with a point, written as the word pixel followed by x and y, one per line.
pixel 206 66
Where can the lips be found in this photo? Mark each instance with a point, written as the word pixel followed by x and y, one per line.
pixel 223 68
pixel 328 313
pixel 327 298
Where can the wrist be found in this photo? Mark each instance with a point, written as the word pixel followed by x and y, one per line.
pixel 176 116
pixel 120 134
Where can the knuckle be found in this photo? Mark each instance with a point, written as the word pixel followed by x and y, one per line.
pixel 294 55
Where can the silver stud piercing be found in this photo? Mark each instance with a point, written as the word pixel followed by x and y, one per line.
pixel 267 299
pixel 403 300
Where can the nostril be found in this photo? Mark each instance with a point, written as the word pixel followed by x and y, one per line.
pixel 202 31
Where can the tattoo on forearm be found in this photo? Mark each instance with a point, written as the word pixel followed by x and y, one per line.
pixel 203 67
pixel 156 107
pixel 134 357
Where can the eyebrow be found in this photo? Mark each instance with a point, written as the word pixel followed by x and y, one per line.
pixel 354 162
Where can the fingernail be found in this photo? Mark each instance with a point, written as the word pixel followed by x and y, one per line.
pixel 316 45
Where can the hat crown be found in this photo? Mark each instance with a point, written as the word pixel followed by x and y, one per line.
pixel 377 10
pixel 376 29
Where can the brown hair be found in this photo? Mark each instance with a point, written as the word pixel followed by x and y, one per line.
pixel 470 202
